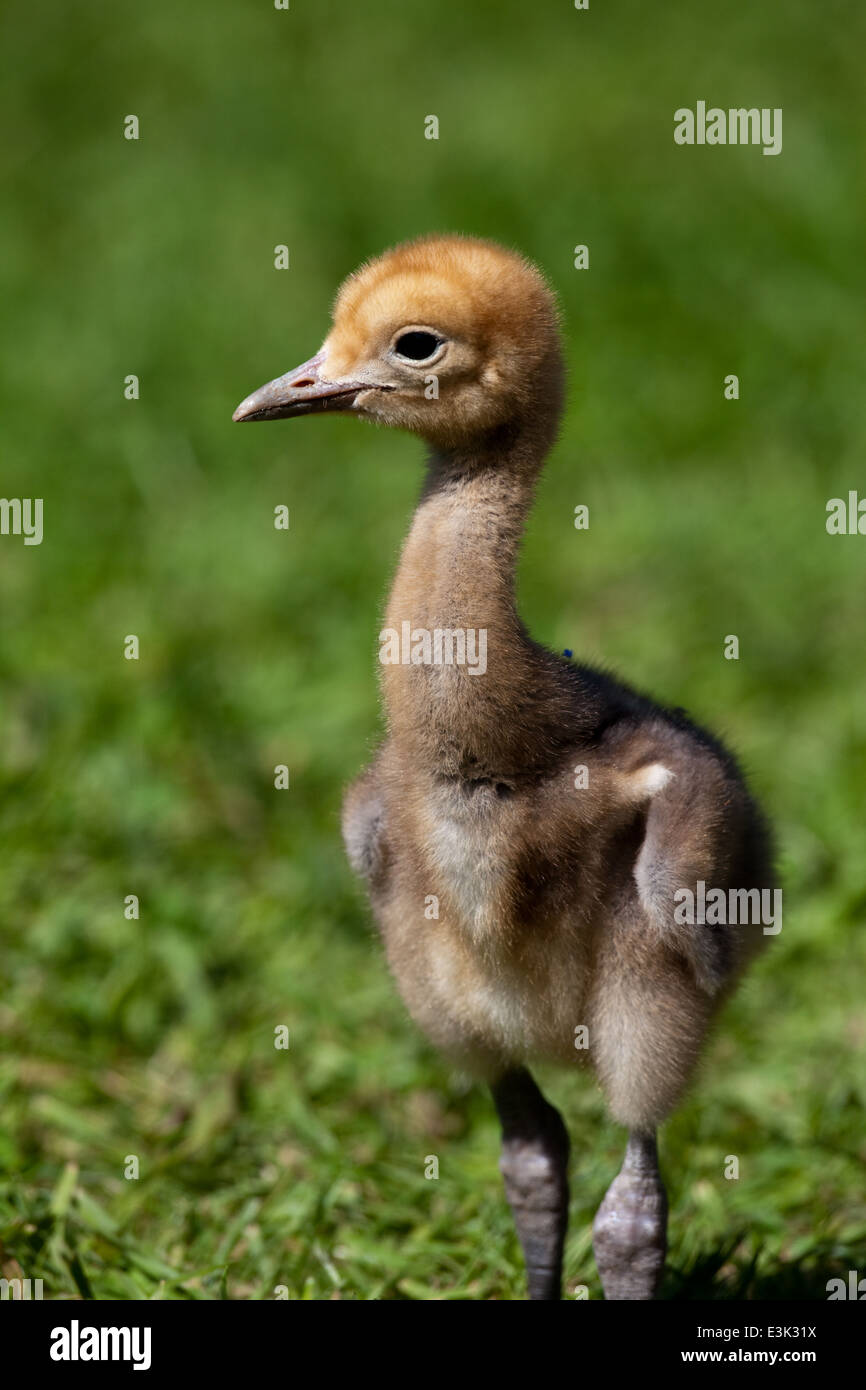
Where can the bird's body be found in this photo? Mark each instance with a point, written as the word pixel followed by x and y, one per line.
pixel 526 824
pixel 546 914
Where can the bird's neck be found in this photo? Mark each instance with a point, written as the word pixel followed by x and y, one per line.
pixel 458 670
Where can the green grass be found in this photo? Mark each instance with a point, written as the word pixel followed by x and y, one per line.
pixel 154 1037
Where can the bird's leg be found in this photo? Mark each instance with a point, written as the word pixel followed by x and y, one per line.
pixel 630 1228
pixel 534 1164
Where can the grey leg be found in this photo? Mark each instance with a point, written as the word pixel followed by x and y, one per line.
pixel 629 1231
pixel 534 1164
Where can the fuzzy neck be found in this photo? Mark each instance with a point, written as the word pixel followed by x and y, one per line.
pixel 487 715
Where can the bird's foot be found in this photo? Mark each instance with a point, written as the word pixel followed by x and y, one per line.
pixel 630 1227
pixel 534 1164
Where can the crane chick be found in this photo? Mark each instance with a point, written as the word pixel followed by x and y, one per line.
pixel 559 896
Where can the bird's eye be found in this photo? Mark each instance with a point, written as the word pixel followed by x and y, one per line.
pixel 416 345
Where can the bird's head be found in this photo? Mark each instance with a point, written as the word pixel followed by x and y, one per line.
pixel 448 337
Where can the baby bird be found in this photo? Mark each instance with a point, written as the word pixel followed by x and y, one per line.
pixel 551 813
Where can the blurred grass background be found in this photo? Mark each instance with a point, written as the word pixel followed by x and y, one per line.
pixel 305 1168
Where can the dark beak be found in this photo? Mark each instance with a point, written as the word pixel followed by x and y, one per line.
pixel 301 392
